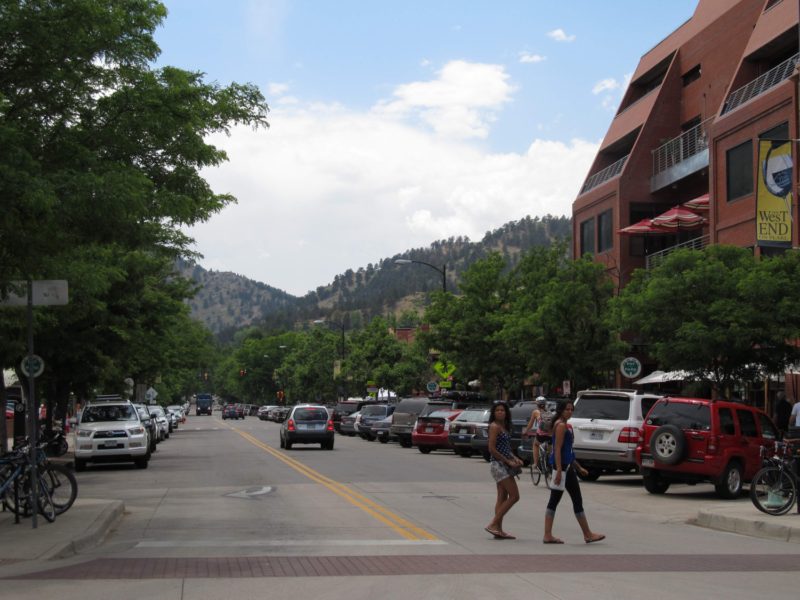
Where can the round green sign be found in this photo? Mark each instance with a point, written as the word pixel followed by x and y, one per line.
pixel 630 367
pixel 32 366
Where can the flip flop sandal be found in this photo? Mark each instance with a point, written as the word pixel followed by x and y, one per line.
pixel 495 533
pixel 553 541
pixel 600 538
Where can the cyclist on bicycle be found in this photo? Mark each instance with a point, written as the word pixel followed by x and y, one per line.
pixel 540 425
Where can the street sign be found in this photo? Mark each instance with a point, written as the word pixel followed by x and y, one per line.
pixel 150 395
pixel 432 387
pixel 446 384
pixel 32 366
pixel 445 370
pixel 53 292
pixel 630 367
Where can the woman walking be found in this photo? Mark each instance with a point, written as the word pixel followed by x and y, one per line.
pixel 503 466
pixel 565 466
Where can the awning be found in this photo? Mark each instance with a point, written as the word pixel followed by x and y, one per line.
pixel 679 217
pixel 700 204
pixel 662 376
pixel 644 226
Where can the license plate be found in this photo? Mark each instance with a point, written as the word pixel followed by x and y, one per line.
pixel 648 462
pixel 596 435
pixel 109 445
pixel 302 427
pixel 429 430
pixel 463 438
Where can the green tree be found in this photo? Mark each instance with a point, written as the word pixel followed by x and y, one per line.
pixel 717 313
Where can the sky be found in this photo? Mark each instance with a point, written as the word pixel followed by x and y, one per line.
pixel 396 124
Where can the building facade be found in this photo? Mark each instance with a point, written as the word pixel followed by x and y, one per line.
pixel 690 129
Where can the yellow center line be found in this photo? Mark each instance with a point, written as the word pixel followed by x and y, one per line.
pixel 402 526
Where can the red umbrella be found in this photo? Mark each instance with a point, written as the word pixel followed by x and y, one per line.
pixel 679 217
pixel 643 227
pixel 700 204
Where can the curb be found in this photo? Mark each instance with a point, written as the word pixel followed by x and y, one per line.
pixel 754 528
pixel 93 535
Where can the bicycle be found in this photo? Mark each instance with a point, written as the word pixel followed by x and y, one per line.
pixel 15 471
pixel 58 479
pixel 541 468
pixel 774 487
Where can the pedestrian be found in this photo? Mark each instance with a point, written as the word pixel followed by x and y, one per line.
pixel 794 422
pixel 504 467
pixel 565 466
pixel 783 410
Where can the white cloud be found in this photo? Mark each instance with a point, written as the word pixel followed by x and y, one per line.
pixel 277 89
pixel 560 35
pixel 459 103
pixel 325 188
pixel 526 57
pixel 605 85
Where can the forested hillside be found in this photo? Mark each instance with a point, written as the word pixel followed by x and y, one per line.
pixel 226 302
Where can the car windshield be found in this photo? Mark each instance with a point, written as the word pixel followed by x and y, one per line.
pixel 99 414
pixel 686 415
pixel 522 412
pixel 157 410
pixel 613 408
pixel 480 416
pixel 372 411
pixel 310 414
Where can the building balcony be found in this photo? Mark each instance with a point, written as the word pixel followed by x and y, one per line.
pixel 656 258
pixel 760 84
pixel 609 172
pixel 680 157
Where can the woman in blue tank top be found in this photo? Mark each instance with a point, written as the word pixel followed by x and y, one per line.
pixel 565 466
pixel 502 466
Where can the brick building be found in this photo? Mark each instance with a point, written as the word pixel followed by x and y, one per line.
pixel 688 130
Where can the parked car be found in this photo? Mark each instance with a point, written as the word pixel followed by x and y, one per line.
pixel 230 412
pixel 406 413
pixel 348 407
pixel 150 425
pixel 241 413
pixel 347 424
pixel 606 424
pixel 179 410
pixel 372 413
pixel 432 431
pixel 111 431
pixel 280 413
pixel 263 412
pixel 382 430
pixel 691 440
pixel 307 424
pixel 162 420
pixel 520 416
pixel 464 427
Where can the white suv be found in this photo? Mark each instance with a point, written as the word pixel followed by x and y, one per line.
pixel 606 424
pixel 111 431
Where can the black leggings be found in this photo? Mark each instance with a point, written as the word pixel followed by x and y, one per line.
pixel 573 487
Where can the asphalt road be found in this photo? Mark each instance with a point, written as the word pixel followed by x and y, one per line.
pixel 222 498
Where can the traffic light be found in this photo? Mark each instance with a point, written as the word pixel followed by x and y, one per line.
pixel 242 372
pixel 205 375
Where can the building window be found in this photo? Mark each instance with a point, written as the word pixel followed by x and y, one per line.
pixel 780 132
pixel 770 4
pixel 691 75
pixel 587 237
pixel 739 170
pixel 605 233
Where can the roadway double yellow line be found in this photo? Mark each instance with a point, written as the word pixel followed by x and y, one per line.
pixel 402 526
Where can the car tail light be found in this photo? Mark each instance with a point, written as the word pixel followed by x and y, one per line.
pixel 629 435
pixel 712 444
pixel 290 425
pixel 330 425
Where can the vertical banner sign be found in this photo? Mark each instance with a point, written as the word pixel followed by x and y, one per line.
pixel 774 194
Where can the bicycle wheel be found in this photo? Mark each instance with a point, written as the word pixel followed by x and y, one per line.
pixel 62 485
pixel 46 508
pixel 536 475
pixel 546 469
pixel 773 491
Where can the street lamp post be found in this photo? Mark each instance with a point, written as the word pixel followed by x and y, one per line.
pixel 442 271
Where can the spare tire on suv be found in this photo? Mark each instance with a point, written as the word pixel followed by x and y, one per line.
pixel 668 445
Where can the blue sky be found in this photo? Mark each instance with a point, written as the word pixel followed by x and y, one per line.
pixel 396 124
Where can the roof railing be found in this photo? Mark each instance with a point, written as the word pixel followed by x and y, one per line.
pixel 760 84
pixel 688 144
pixel 610 171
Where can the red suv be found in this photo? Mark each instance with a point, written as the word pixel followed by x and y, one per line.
pixel 690 440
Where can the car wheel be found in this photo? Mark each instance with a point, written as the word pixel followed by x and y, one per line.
pixel 591 475
pixel 425 449
pixel 287 444
pixel 141 463
pixel 405 443
pixel 383 440
pixel 730 487
pixel 654 484
pixel 80 464
pixel 668 445
pixel 487 457
pixel 283 444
